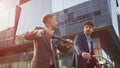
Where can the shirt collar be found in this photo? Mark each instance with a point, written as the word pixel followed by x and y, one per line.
pixel 88 37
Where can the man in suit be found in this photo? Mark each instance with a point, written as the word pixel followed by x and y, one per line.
pixel 83 48
pixel 45 48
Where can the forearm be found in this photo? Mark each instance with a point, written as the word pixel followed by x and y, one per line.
pixel 33 34
pixel 78 45
pixel 78 50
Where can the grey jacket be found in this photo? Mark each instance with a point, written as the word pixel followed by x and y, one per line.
pixel 43 51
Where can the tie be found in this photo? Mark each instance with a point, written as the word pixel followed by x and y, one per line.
pixel 91 47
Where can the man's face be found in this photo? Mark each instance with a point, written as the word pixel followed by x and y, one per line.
pixel 88 29
pixel 53 22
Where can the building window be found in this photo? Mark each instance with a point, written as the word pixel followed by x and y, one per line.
pixel 97 13
pixel 65 11
pixel 87 16
pixel 71 17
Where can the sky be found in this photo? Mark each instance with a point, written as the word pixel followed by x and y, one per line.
pixel 7 16
pixel 63 4
pixel 7 11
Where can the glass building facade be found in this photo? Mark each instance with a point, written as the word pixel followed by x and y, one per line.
pixel 72 19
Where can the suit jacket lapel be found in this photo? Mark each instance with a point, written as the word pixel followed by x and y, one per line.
pixel 48 43
pixel 85 43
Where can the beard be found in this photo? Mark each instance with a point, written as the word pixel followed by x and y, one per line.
pixel 88 33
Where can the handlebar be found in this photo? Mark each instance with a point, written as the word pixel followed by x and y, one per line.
pixel 59 38
pixel 111 65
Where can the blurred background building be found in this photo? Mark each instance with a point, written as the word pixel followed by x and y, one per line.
pixel 19 16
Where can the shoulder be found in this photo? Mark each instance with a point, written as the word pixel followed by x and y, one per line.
pixel 80 35
pixel 37 28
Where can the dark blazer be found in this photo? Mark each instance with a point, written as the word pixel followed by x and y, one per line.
pixel 81 45
pixel 43 51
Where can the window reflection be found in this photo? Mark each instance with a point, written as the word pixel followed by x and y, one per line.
pixel 64 4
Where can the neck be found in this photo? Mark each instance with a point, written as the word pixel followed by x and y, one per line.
pixel 88 35
pixel 50 28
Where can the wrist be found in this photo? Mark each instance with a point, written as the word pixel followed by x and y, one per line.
pixel 68 46
pixel 41 33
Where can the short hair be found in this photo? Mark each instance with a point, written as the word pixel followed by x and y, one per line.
pixel 46 17
pixel 89 23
